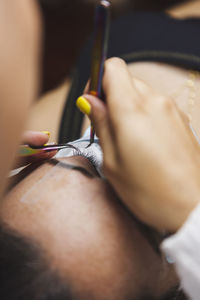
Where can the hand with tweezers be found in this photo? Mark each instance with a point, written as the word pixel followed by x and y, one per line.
pixel 149 149
pixel 32 141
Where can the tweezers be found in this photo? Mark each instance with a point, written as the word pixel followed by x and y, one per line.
pixel 27 150
pixel 99 53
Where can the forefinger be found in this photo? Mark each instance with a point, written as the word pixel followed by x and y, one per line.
pixel 35 138
pixel 121 96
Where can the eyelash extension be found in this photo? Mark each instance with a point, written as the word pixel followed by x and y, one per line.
pixel 92 159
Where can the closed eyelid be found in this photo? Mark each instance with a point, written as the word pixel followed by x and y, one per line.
pixel 72 167
pixel 91 159
pixel 92 153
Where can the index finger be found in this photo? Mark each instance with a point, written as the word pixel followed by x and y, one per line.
pixel 121 96
pixel 35 138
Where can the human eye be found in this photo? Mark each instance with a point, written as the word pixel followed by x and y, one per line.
pixel 90 157
pixel 93 154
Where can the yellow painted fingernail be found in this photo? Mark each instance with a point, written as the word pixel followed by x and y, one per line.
pixel 47 133
pixel 83 105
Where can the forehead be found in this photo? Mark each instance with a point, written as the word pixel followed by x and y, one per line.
pixel 88 236
pixel 50 189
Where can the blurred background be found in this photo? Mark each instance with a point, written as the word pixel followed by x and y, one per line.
pixel 67 26
pixel 69 23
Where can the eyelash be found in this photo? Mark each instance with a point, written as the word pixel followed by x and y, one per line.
pixel 92 159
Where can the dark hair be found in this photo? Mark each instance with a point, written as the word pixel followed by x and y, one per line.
pixel 24 272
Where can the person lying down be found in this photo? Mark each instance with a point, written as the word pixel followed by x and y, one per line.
pixel 65 234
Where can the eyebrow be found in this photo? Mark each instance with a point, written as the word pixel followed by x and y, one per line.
pixel 67 166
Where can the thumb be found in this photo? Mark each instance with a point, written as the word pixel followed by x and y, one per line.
pixel 98 114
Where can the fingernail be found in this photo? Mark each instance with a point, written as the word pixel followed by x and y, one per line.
pixel 83 105
pixel 47 133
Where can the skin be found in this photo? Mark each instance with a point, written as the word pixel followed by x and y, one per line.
pixel 158 160
pixel 165 81
pixel 86 233
pixel 43 221
pixel 19 74
pixel 35 139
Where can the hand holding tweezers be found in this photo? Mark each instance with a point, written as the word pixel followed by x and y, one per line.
pixel 26 150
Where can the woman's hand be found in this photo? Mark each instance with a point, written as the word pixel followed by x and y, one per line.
pixel 35 138
pixel 150 155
